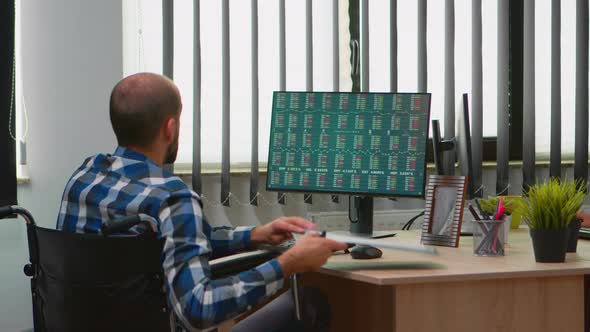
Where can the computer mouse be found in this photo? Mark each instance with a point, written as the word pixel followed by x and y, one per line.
pixel 365 252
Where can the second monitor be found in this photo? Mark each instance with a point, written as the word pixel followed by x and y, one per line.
pixel 360 144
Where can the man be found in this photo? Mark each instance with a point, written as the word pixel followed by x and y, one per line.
pixel 145 113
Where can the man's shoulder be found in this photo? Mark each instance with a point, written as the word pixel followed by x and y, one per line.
pixel 171 184
pixel 155 181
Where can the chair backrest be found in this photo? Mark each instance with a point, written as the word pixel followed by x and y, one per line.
pixel 93 282
pixel 85 282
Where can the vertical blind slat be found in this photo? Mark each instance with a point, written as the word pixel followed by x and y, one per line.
pixel 555 149
pixel 476 97
pixel 282 65
pixel 196 173
pixel 168 38
pixel 168 47
pixel 393 45
pixel 502 180
pixel 364 33
pixel 581 164
pixel 335 59
pixel 528 107
pixel 254 175
pixel 422 51
pixel 225 94
pixel 449 78
pixel 308 61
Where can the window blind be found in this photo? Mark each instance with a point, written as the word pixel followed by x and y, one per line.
pixel 449 88
pixel 168 46
pixel 555 151
pixel 581 126
pixel 502 168
pixel 196 179
pixel 489 74
pixel 476 96
pixel 528 123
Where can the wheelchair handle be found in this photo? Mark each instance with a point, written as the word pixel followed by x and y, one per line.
pixel 9 210
pixel 123 224
pixel 5 211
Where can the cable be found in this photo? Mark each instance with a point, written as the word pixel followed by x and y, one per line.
pixel 140 53
pixel 410 222
pixel 12 108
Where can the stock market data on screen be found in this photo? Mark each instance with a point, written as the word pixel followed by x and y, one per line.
pixel 354 143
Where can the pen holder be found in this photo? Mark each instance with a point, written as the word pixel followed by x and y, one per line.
pixel 507 226
pixel 489 237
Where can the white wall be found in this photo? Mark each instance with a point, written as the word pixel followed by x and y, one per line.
pixel 71 58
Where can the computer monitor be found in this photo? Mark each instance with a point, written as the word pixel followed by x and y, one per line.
pixel 359 144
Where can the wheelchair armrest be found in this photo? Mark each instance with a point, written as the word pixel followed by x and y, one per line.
pixel 11 210
pixel 124 224
pixel 6 211
pixel 234 264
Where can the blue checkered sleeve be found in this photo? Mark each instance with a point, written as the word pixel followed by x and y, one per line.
pixel 198 300
pixel 227 240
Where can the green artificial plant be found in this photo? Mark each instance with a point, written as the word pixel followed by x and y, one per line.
pixel 553 204
pixel 490 204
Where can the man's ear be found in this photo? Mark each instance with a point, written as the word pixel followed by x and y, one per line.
pixel 170 128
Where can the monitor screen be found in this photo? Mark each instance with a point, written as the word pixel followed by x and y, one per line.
pixel 349 143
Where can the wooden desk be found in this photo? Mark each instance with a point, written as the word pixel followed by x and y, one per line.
pixel 457 291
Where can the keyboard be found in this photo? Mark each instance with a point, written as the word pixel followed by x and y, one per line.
pixel 279 248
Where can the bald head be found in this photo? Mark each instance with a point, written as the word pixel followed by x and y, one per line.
pixel 139 106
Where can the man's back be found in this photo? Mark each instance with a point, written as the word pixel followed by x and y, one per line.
pixel 107 187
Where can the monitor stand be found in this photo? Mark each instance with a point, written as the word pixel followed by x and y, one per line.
pixel 360 213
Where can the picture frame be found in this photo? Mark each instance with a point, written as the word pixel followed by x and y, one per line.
pixel 445 199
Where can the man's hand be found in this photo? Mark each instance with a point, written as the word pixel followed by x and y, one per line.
pixel 309 254
pixel 280 230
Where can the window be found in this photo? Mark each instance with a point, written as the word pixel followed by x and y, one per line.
pixel 143 52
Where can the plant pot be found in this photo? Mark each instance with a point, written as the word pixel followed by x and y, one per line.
pixel 574 231
pixel 516 217
pixel 550 245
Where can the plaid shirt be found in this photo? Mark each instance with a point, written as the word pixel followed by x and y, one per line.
pixel 126 183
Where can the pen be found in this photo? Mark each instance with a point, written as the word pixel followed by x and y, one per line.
pixel 498 216
pixel 499 210
pixel 474 213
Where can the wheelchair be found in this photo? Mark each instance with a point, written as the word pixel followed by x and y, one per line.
pixel 105 282
pixel 95 282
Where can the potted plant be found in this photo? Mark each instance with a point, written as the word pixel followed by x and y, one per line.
pixel 548 210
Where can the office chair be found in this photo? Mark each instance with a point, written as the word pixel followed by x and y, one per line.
pixel 105 282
